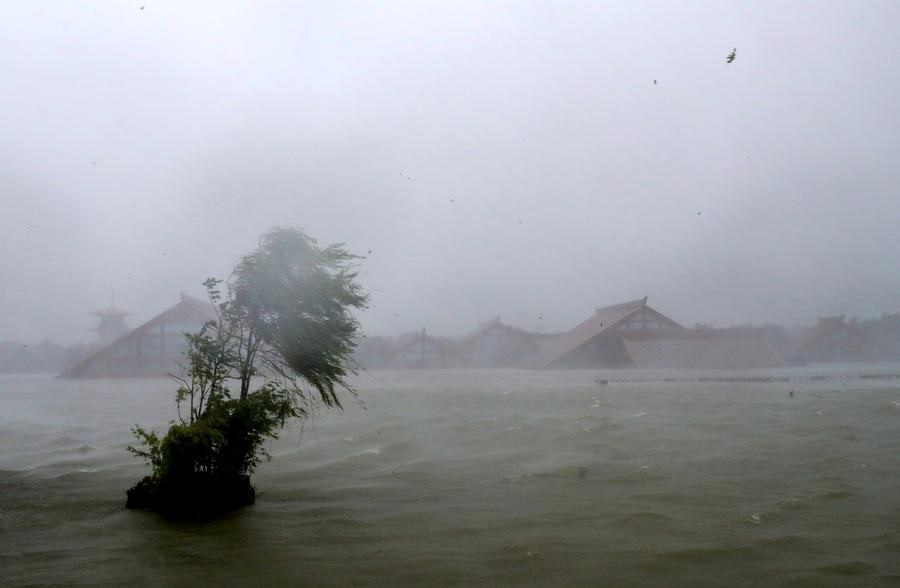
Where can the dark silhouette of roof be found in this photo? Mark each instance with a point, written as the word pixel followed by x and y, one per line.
pixel 602 321
pixel 188 306
pixel 494 323
pixel 423 340
pixel 827 326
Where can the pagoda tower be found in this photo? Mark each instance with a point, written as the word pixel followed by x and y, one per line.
pixel 112 323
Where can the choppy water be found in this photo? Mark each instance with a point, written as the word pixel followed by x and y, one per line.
pixel 476 478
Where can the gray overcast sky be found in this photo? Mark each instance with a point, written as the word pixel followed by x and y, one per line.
pixel 510 158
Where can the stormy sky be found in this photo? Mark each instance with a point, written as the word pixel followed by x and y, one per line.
pixel 511 158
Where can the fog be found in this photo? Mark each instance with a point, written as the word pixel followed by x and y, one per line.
pixel 523 159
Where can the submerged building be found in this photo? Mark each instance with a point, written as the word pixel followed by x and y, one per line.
pixel 496 344
pixel 598 341
pixel 737 348
pixel 423 351
pixel 112 323
pixel 634 335
pixel 834 340
pixel 152 349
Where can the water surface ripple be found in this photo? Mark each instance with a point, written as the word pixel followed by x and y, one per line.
pixel 476 478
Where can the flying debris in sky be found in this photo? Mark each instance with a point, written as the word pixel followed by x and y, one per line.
pixel 731 55
pixel 654 82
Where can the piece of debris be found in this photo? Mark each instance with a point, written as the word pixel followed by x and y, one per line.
pixel 731 55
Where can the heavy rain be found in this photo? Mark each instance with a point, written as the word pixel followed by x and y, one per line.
pixel 614 298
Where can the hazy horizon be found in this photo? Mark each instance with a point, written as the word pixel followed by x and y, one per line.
pixel 522 159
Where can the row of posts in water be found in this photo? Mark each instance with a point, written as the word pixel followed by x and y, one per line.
pixel 750 379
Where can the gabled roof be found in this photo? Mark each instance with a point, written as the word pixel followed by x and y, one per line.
pixel 604 319
pixel 448 356
pixel 201 307
pixel 193 307
pixel 481 329
pixel 486 326
pixel 826 326
pixel 823 328
pixel 736 348
pixel 423 338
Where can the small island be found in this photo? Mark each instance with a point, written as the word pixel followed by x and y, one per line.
pixel 280 346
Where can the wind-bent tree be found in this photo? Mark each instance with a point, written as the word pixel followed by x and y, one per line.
pixel 285 324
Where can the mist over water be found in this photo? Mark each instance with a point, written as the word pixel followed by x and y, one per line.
pixel 484 478
pixel 528 162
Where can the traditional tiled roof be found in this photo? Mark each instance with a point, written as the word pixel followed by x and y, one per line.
pixel 424 339
pixel 603 320
pixel 196 308
pixel 827 325
pixel 740 348
pixel 486 326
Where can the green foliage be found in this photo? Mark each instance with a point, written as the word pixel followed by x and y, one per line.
pixel 284 322
pixel 295 300
pixel 152 454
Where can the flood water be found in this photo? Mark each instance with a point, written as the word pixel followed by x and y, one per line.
pixel 476 478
